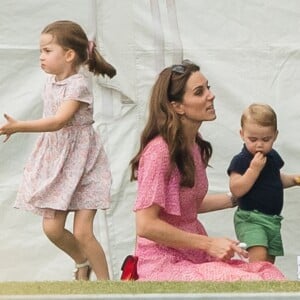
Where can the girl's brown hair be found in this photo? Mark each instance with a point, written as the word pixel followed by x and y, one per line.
pixel 70 35
pixel 164 121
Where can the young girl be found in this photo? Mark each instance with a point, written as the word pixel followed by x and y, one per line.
pixel 68 169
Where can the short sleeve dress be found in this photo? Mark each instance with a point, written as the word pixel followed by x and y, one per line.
pixel 68 169
pixel 179 206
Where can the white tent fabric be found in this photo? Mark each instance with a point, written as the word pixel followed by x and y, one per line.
pixel 249 51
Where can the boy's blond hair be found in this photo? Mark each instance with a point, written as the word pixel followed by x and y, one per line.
pixel 262 114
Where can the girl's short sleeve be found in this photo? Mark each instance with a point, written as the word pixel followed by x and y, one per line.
pixel 78 89
pixel 156 184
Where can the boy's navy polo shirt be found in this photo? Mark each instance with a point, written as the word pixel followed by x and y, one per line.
pixel 266 195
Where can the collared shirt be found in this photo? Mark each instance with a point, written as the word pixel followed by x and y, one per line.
pixel 266 195
pixel 74 87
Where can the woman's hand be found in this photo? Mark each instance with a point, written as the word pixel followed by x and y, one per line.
pixel 225 249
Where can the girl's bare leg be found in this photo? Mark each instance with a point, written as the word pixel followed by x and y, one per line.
pixel 65 240
pixel 83 232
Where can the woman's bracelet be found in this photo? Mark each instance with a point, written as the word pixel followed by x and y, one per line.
pixel 234 201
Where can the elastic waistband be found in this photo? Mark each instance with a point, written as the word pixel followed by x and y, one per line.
pixel 261 213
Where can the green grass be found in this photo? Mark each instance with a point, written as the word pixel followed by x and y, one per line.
pixel 121 287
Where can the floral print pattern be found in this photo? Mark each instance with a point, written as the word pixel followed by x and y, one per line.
pixel 68 169
pixel 156 184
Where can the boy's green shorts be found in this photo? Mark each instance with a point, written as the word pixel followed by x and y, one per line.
pixel 258 229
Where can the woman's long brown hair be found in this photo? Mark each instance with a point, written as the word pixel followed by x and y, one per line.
pixel 164 121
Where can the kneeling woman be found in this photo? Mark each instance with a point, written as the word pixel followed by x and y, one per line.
pixel 170 167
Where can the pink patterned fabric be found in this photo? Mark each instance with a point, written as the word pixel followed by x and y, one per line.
pixel 68 169
pixel 156 184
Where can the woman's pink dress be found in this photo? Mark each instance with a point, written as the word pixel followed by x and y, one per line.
pixel 179 208
pixel 68 169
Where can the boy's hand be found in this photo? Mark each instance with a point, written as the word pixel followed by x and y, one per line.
pixel 258 162
pixel 297 180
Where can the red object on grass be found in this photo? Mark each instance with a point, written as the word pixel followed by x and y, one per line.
pixel 129 268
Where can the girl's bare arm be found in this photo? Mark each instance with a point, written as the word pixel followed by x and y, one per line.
pixel 65 112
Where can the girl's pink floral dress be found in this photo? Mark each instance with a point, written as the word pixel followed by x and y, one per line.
pixel 179 208
pixel 68 169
